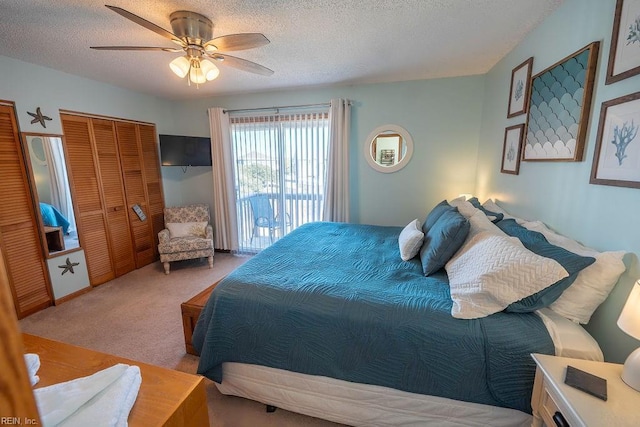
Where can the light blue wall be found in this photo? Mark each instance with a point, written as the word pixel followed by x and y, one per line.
pixel 603 217
pixel 31 86
pixel 442 116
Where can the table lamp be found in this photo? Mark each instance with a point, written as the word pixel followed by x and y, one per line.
pixel 629 322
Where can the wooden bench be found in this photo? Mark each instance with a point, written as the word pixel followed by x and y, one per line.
pixel 190 313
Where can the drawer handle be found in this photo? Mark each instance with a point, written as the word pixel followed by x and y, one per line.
pixel 559 420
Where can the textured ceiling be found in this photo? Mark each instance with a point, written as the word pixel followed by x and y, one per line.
pixel 313 43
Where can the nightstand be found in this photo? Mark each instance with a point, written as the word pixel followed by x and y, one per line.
pixel 552 397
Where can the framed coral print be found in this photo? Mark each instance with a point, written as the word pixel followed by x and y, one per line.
pixel 559 108
pixel 616 160
pixel 511 149
pixel 624 55
pixel 519 90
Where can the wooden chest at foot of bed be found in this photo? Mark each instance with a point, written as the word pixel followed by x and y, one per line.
pixel 190 313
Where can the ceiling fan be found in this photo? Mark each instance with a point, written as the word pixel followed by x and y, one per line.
pixel 193 33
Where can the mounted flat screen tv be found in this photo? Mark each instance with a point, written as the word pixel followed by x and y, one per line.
pixel 178 150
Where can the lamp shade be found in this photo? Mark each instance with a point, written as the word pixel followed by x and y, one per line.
pixel 196 75
pixel 629 320
pixel 180 66
pixel 209 70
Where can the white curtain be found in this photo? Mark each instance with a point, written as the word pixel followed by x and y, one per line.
pixel 224 204
pixel 336 205
pixel 58 179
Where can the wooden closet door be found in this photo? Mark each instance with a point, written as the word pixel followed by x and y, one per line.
pixel 113 194
pixel 135 190
pixel 84 178
pixel 153 178
pixel 19 231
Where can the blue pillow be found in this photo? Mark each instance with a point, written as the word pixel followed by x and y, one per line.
pixel 443 240
pixel 435 213
pixel 496 216
pixel 538 244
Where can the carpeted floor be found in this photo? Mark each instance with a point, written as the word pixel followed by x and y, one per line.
pixel 138 316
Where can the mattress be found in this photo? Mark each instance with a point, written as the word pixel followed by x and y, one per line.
pixel 369 405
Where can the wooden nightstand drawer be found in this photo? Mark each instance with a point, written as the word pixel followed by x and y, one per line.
pixel 548 409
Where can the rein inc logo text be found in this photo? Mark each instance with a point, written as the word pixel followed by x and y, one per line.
pixel 17 421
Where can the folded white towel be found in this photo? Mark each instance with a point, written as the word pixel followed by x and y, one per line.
pixel 102 399
pixel 33 364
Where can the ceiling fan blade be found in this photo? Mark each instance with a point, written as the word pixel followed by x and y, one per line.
pixel 148 25
pixel 238 41
pixel 147 48
pixel 241 64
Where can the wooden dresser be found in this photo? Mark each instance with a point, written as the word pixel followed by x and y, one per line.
pixel 166 397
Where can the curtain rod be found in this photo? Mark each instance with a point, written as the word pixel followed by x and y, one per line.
pixel 326 104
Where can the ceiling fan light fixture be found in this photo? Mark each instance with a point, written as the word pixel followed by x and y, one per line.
pixel 209 70
pixel 180 66
pixel 195 74
pixel 193 32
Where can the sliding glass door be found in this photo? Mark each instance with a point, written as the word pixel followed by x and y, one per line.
pixel 280 172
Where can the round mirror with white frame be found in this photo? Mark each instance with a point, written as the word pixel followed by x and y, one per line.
pixel 388 148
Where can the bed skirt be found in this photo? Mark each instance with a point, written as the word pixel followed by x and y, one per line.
pixel 358 404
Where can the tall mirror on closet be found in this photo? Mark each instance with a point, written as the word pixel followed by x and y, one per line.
pixel 50 187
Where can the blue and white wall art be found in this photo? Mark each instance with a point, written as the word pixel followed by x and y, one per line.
pixel 519 90
pixel 616 160
pixel 624 55
pixel 559 108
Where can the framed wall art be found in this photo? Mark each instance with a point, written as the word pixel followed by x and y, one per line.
pixel 616 159
pixel 559 108
pixel 624 55
pixel 519 89
pixel 512 148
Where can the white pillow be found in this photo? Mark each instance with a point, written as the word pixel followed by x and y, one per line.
pixel 410 240
pixel 465 208
pixel 494 271
pixel 187 229
pixel 480 222
pixel 593 284
pixel 490 205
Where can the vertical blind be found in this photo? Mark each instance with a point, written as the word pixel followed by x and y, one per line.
pixel 280 165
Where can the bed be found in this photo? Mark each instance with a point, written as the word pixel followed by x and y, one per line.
pixel 329 321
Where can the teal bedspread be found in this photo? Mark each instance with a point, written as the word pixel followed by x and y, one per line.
pixel 336 300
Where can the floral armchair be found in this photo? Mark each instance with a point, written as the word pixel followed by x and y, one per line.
pixel 187 235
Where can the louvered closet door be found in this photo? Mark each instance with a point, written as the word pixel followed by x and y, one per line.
pixel 151 162
pixel 19 232
pixel 134 184
pixel 84 178
pixel 113 194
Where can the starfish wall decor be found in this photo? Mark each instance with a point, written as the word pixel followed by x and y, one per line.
pixel 39 117
pixel 68 266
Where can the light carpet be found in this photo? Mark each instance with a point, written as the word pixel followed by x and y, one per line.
pixel 138 316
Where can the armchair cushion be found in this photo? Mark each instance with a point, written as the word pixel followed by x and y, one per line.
pixel 185 244
pixel 187 229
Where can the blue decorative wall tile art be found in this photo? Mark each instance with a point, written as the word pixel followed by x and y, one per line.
pixel 557 106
